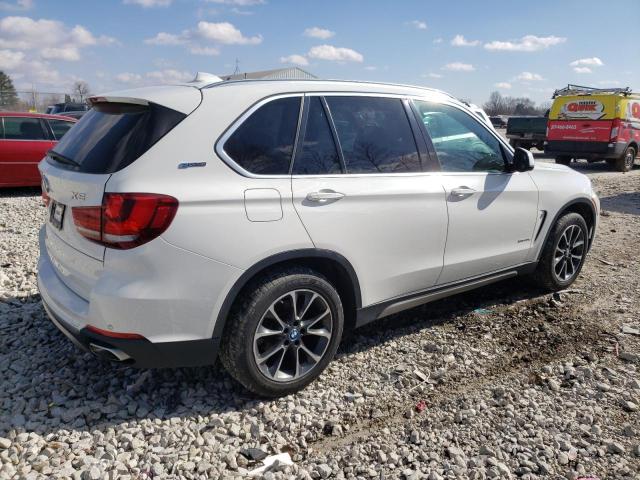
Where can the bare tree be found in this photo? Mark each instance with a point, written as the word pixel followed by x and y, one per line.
pixel 81 89
pixel 495 105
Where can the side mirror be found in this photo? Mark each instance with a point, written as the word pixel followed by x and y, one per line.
pixel 522 160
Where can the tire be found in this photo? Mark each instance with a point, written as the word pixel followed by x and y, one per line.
pixel 252 332
pixel 573 227
pixel 563 160
pixel 626 161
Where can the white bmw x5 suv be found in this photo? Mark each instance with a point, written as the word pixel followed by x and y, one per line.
pixel 259 219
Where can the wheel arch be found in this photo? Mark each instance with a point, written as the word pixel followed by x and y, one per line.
pixel 331 264
pixel 583 207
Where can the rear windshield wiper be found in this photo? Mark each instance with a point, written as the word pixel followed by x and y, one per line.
pixel 62 159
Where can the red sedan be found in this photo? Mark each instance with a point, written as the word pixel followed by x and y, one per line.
pixel 25 139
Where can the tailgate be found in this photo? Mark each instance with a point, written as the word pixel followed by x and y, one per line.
pixel 72 189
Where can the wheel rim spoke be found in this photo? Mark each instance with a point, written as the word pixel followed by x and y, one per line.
pixel 293 335
pixel 569 253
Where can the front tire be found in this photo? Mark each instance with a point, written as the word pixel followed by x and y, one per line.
pixel 626 161
pixel 283 332
pixel 563 160
pixel 564 253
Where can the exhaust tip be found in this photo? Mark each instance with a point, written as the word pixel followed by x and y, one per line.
pixel 107 353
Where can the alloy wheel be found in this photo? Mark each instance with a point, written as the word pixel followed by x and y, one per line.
pixel 568 253
pixel 292 335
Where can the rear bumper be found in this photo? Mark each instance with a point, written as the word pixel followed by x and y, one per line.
pixel 70 314
pixel 588 150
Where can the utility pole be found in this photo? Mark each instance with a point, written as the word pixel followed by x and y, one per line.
pixel 237 70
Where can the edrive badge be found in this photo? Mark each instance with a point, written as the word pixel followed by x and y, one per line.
pixel 182 166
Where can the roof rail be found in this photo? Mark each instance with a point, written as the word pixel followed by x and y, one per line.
pixel 581 90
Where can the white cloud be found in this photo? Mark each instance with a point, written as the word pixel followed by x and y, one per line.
pixel 295 59
pixel 587 62
pixel 49 38
pixel 164 38
pixel 460 41
pixel 206 38
pixel 438 40
pixel 29 45
pixel 528 43
pixel 317 32
pixel 419 24
pixel 432 75
pixel 371 68
pixel 127 77
pixel 529 77
pixel 582 70
pixel 241 3
pixel 17 6
pixel 149 3
pixel 505 85
pixel 459 67
pixel 10 60
pixel 335 54
pixel 225 33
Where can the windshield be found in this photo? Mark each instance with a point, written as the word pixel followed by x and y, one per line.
pixel 111 136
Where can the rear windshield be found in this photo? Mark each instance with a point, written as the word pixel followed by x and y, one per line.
pixel 111 136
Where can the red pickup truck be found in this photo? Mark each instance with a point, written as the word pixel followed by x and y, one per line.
pixel 25 138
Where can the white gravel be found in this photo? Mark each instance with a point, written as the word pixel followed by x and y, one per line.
pixel 514 384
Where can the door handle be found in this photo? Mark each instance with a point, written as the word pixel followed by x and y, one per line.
pixel 324 196
pixel 462 191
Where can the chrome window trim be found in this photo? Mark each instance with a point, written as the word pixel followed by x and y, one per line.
pixel 219 144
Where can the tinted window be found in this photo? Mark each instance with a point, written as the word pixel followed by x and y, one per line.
pixel 375 135
pixel 59 127
pixel 111 136
pixel 16 128
pixel 318 154
pixel 263 144
pixel 461 142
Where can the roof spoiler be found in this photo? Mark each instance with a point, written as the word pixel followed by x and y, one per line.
pixel 109 99
pixel 581 90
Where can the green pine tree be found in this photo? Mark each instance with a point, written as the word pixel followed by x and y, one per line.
pixel 8 96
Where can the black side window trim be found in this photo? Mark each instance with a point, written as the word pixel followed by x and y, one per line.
pixel 424 155
pixel 504 151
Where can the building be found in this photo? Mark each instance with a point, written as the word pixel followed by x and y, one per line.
pixel 292 73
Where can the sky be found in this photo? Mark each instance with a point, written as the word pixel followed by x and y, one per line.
pixel 466 47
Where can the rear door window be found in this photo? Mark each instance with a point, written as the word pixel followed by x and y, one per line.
pixel 59 128
pixel 318 153
pixel 23 128
pixel 263 143
pixel 375 135
pixel 111 136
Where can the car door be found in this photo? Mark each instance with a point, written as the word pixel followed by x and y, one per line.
pixel 360 190
pixel 492 212
pixel 25 143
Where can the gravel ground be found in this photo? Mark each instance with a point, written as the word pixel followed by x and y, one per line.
pixel 504 382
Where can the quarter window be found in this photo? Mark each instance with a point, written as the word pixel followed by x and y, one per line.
pixel 375 135
pixel 318 154
pixel 59 127
pixel 263 144
pixel 23 128
pixel 462 144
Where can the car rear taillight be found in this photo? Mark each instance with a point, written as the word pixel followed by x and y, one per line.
pixel 615 128
pixel 45 197
pixel 111 334
pixel 126 220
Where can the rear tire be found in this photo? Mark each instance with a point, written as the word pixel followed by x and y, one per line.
pixel 626 161
pixel 563 160
pixel 563 254
pixel 282 332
